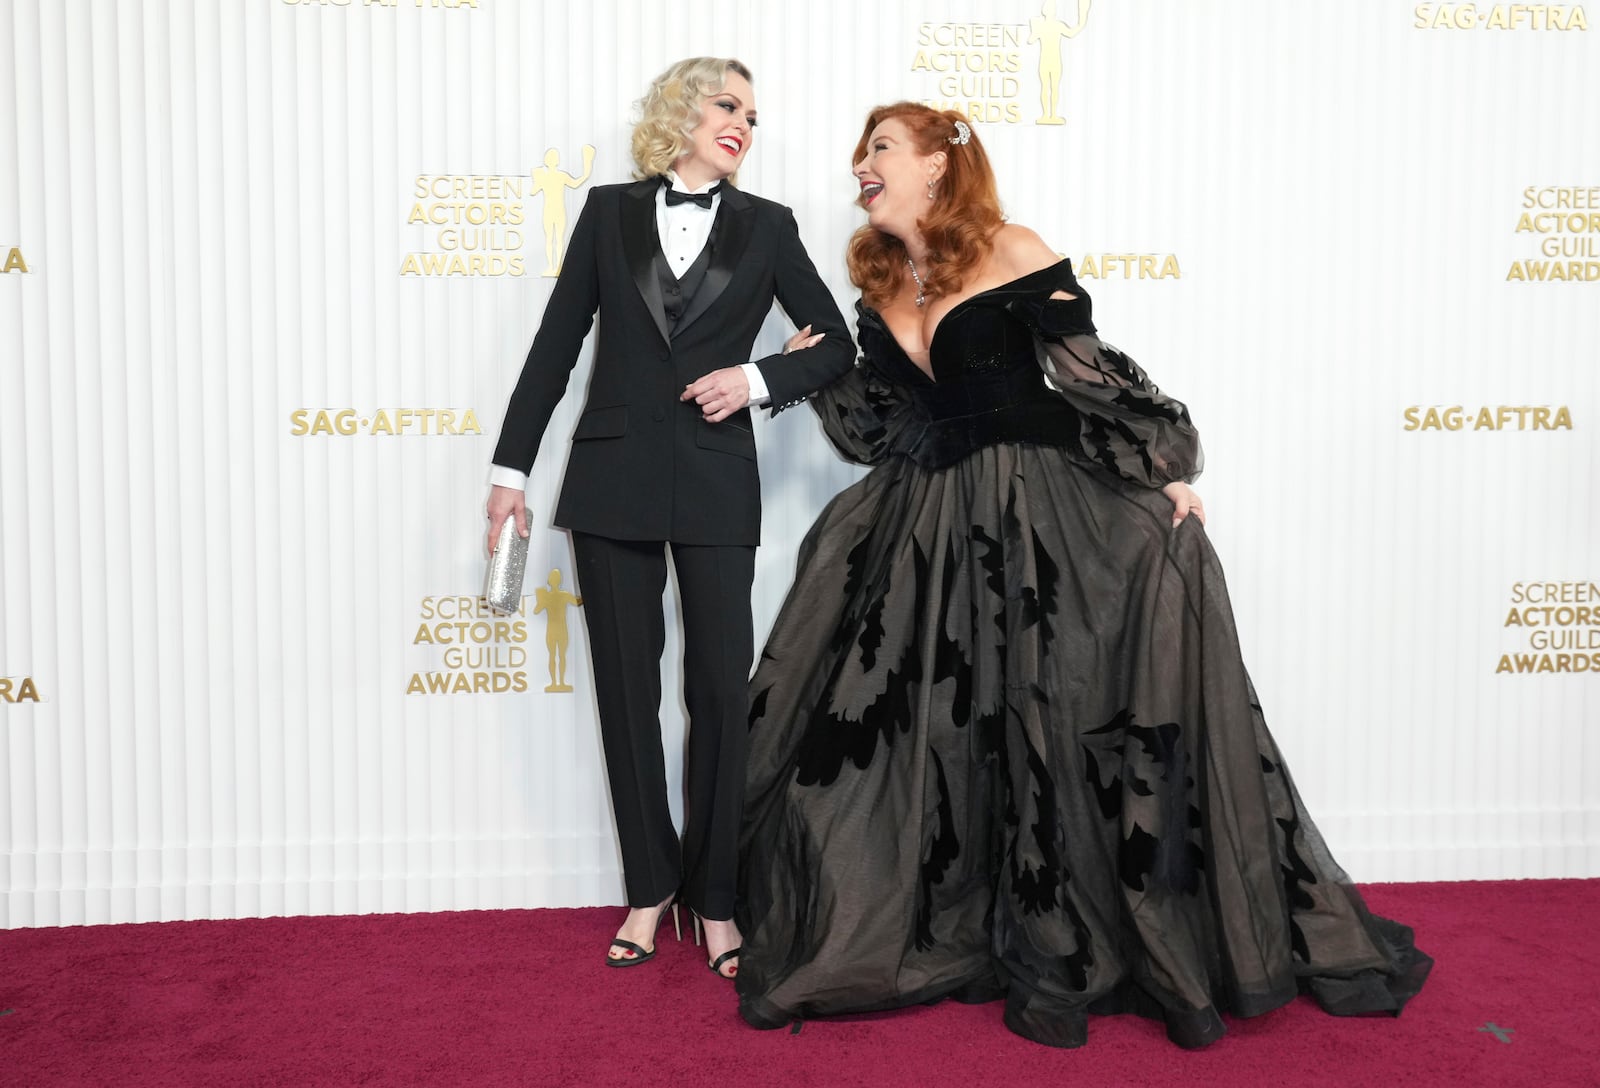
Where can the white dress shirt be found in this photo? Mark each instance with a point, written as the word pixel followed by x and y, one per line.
pixel 683 231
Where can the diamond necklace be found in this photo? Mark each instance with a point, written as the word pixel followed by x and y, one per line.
pixel 922 295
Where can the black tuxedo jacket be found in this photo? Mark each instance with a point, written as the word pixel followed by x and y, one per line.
pixel 644 465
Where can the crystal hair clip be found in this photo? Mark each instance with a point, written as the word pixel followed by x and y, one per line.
pixel 963 133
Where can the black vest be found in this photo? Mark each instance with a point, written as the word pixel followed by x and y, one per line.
pixel 677 292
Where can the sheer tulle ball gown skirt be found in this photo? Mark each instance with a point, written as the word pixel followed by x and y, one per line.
pixel 1003 744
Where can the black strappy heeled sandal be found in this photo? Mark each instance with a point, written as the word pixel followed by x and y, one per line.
pixel 640 955
pixel 716 964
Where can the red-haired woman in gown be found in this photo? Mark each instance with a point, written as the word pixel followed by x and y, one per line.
pixel 1002 739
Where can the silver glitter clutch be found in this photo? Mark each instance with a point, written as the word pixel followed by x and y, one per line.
pixel 503 586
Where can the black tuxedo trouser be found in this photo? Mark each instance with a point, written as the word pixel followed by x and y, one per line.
pixel 622 582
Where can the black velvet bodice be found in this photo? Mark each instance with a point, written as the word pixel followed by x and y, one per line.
pixel 987 385
pixel 1020 363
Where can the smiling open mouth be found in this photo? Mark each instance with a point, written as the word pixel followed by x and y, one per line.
pixel 870 191
pixel 729 144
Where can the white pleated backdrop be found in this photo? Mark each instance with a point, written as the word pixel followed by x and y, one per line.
pixel 221 616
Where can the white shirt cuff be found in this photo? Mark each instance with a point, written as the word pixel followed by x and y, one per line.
pixel 501 476
pixel 759 394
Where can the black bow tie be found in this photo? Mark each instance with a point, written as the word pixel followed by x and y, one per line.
pixel 702 199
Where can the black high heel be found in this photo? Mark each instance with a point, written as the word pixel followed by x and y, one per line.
pixel 716 964
pixel 640 955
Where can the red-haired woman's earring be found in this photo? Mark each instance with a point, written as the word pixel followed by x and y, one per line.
pixel 930 188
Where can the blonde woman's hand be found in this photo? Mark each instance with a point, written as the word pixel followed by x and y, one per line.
pixel 719 393
pixel 506 502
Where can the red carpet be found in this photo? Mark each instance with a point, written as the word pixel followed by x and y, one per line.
pixel 521 997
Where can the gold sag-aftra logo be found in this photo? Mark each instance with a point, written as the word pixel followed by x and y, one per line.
pixel 446 4
pixel 1128 266
pixel 15 262
pixel 1498 417
pixel 18 690
pixel 1500 17
pixel 477 223
pixel 346 422
pixel 999 73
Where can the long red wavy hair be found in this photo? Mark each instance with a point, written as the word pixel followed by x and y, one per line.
pixel 962 218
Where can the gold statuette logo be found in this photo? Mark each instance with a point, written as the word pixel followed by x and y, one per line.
pixel 553 602
pixel 1049 32
pixel 551 182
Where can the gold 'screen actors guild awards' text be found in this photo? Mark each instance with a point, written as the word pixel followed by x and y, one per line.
pixel 1565 221
pixel 475 222
pixel 479 221
pixel 977 68
pixel 482 652
pixel 1561 622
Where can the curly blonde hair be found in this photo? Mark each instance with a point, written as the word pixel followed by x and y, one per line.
pixel 670 110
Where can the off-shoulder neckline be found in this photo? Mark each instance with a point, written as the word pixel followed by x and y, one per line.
pixel 1009 285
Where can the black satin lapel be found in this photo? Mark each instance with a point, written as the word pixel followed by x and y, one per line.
pixel 639 242
pixel 735 217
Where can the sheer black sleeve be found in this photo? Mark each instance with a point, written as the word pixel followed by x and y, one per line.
pixel 1125 423
pixel 867 417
